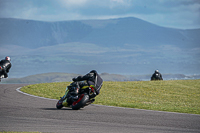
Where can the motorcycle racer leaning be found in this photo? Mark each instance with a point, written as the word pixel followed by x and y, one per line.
pixel 5 66
pixel 91 79
pixel 156 76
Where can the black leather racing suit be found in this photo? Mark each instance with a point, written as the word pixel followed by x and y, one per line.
pixel 92 78
pixel 6 65
pixel 156 76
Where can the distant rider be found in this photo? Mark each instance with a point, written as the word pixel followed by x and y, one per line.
pixel 91 79
pixel 5 66
pixel 156 76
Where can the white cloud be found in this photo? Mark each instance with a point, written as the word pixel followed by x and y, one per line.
pixel 29 12
pixel 119 4
pixel 184 20
pixel 119 1
pixel 70 4
pixel 125 2
pixel 74 3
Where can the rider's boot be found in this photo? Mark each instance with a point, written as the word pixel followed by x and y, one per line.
pixel 75 97
pixel 5 75
pixel 64 98
pixel 65 103
pixel 92 100
pixel 2 76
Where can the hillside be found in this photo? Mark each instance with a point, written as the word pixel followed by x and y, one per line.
pixel 67 77
pixel 113 32
pixel 34 34
pixel 126 46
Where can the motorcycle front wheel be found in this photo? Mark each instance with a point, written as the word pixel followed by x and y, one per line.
pixel 59 104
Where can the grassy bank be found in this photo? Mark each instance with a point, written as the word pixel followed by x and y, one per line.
pixel 175 96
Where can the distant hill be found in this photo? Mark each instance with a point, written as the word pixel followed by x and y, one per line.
pixel 64 77
pixel 126 46
pixel 112 32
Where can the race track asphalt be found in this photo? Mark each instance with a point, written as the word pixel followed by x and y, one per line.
pixel 19 112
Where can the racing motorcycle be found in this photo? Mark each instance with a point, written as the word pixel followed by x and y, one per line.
pixel 77 97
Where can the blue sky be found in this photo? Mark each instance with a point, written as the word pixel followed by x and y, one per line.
pixel 182 14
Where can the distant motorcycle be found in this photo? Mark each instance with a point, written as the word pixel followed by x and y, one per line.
pixel 77 97
pixel 156 77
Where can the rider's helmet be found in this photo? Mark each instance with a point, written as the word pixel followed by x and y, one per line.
pixel 156 71
pixel 7 58
pixel 93 71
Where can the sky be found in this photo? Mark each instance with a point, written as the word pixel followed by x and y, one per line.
pixel 181 14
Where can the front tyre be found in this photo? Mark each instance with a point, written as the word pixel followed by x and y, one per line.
pixel 59 104
pixel 81 102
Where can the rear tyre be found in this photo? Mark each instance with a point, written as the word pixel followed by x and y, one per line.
pixel 81 102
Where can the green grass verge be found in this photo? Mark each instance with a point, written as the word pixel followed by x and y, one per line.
pixel 181 96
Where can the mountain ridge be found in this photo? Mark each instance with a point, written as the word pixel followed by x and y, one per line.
pixel 34 34
pixel 124 45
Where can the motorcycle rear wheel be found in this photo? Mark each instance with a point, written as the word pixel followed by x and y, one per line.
pixel 81 102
